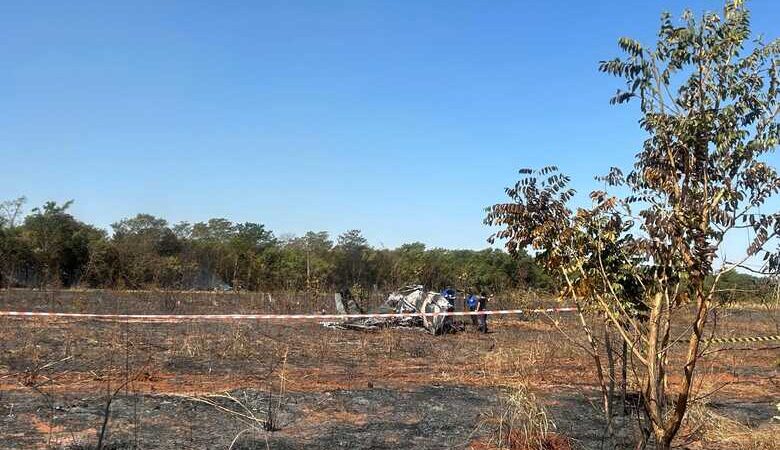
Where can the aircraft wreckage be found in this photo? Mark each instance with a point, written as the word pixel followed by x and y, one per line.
pixel 408 300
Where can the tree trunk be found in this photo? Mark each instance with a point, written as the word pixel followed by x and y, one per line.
pixel 599 373
pixel 624 377
pixel 611 365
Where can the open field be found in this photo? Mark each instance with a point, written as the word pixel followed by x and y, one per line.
pixel 213 384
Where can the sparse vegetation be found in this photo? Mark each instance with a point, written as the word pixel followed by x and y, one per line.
pixel 521 422
pixel 710 429
pixel 410 374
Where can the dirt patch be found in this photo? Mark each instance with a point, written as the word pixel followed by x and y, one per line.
pixel 341 389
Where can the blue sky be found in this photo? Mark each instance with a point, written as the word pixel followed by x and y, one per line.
pixel 403 119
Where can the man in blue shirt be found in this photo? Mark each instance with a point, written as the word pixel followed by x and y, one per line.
pixel 476 302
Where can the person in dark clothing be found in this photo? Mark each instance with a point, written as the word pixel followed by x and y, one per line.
pixel 478 303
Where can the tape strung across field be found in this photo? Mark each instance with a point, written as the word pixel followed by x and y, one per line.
pixel 203 317
pixel 737 340
pixel 284 317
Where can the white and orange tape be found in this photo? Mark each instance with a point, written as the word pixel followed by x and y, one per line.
pixel 205 317
pixel 224 317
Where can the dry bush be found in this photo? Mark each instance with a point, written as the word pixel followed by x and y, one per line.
pixel 419 347
pixel 710 428
pixel 191 343
pixel 237 344
pixel 324 346
pixel 520 422
pixel 390 342
pixel 503 362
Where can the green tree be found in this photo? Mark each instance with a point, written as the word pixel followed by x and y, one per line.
pixel 410 263
pixel 143 252
pixel 247 243
pixel 709 104
pixel 210 242
pixel 59 242
pixel 151 234
pixel 351 255
pixel 315 249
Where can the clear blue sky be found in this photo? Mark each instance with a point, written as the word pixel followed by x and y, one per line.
pixel 401 118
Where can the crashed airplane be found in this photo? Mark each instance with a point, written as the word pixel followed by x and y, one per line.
pixel 408 300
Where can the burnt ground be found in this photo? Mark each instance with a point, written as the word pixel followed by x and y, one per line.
pixel 210 385
pixel 425 417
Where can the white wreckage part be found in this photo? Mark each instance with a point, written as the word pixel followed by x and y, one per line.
pixel 346 304
pixel 408 300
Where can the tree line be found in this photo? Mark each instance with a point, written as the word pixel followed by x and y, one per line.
pixel 49 247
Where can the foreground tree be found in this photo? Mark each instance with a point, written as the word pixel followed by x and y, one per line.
pixel 709 102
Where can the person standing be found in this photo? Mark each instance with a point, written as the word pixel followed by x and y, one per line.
pixel 478 303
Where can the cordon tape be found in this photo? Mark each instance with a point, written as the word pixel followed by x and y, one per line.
pixel 185 317
pixel 223 317
pixel 737 340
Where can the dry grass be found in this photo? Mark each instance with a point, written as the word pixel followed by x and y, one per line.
pixel 521 422
pixel 68 358
pixel 711 430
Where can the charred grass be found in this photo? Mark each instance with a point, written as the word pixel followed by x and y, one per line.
pixel 294 385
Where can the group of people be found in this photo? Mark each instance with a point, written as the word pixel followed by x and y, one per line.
pixel 471 302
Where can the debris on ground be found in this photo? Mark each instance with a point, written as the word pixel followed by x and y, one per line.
pixel 407 300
